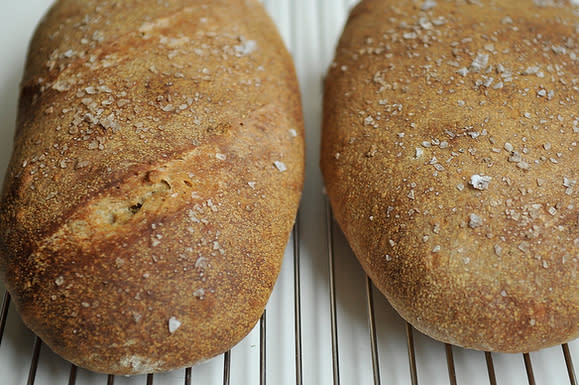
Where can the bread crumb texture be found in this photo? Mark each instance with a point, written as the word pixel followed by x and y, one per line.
pixel 153 184
pixel 449 154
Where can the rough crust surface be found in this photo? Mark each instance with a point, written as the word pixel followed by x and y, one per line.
pixel 157 168
pixel 449 154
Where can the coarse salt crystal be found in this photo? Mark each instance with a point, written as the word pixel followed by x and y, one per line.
pixel 280 166
pixel 480 182
pixel 480 62
pixel 474 221
pixel 463 71
pixel 199 293
pixel 531 70
pixel 428 4
pixel 507 20
pixel 174 324
pixel 418 152
pixel 246 47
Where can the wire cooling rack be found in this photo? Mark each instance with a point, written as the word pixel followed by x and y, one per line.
pixel 325 322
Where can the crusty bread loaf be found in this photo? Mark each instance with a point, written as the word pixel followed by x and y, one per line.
pixel 157 168
pixel 450 160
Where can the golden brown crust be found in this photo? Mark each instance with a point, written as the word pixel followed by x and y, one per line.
pixel 449 154
pixel 157 169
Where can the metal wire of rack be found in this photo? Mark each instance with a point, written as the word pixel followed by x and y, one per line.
pixel 330 342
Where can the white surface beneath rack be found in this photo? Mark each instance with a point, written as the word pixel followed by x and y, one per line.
pixel 317 328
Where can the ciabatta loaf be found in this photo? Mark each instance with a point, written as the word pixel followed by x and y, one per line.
pixel 450 158
pixel 157 168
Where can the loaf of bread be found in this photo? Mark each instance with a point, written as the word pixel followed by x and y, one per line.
pixel 157 167
pixel 449 154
